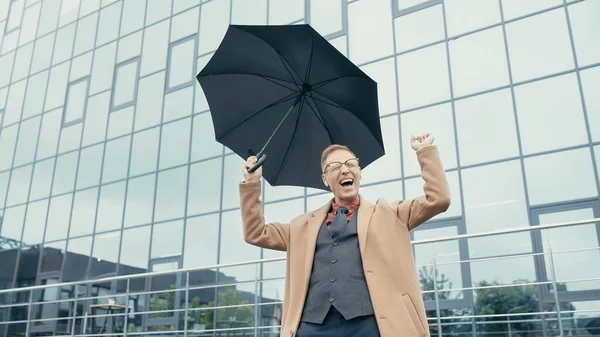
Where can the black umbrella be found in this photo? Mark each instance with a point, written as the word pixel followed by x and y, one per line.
pixel 288 92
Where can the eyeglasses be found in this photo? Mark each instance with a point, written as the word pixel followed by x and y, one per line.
pixel 336 165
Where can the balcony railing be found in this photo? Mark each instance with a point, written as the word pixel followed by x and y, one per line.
pixel 197 302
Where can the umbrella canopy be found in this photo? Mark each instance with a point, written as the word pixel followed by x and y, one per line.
pixel 287 92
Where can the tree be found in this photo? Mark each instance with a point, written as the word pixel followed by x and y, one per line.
pixel 229 296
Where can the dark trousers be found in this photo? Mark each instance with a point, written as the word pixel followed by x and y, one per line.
pixel 335 325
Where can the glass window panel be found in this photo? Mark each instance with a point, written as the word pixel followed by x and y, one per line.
pixel 58 218
pixel 70 137
pixel 388 191
pixel 105 254
pixel 90 163
pixel 116 159
pixel 233 246
pixel 150 100
pixel 86 33
pixel 419 28
pixel 52 259
pixel 505 271
pixel 132 18
pixel 14 103
pixel 185 24
pixel 369 30
pixel 590 82
pixel 42 53
pixel 175 143
pixel 541 37
pixel 201 241
pixel 3 97
pixel 249 12
pixel 414 189
pixel 10 42
pixel 84 212
pixel 35 221
pixel 167 239
pixel 549 108
pixel 204 188
pixel 341 44
pixel 181 5
pixel 63 46
pixel 8 140
pixel 178 104
pixel 154 48
pixel 12 223
pixel 3 186
pixel 96 119
pixel 478 62
pixel 494 197
pixel 182 59
pixel 436 120
pixel 478 143
pixel 200 102
pixel 36 88
pixel 467 15
pixel 120 122
pixel 232 178
pixel 104 65
pixel 28 134
pixel 204 144
pixel 170 194
pixel 48 140
pixel 6 62
pixel 382 72
pixel 584 23
pixel 57 86
pixel 110 207
pixel 126 81
pixel 130 46
pixel 282 212
pixel 497 245
pixel 157 11
pixel 68 12
pixel 281 192
pixel 4 9
pixel 76 101
pixel 326 16
pixel 144 152
pixel 22 62
pixel 317 201
pixel 560 176
pixel 19 185
pixel 42 178
pixel 285 11
pixel 516 8
pixel 107 29
pixel 88 7
pixel 423 77
pixel 64 174
pixel 140 199
pixel 388 166
pixel 77 259
pixel 214 20
pixel 30 22
pixel 135 247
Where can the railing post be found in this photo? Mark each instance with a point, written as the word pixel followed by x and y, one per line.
pixel 28 313
pixel 437 299
pixel 256 316
pixel 555 288
pixel 187 301
pixel 74 322
pixel 126 318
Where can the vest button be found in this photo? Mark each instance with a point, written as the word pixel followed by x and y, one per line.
pixel 331 299
pixel 332 279
pixel 335 243
pixel 333 261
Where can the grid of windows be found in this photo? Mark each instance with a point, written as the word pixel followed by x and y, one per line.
pixel 107 149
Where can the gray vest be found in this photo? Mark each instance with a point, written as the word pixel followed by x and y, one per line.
pixel 337 277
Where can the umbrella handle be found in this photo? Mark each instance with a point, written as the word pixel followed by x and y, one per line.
pixel 261 160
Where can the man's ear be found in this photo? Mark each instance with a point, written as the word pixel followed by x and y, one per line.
pixel 324 180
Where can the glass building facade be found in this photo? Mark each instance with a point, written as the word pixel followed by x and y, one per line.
pixel 109 166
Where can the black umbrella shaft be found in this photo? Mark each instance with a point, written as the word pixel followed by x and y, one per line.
pixel 279 125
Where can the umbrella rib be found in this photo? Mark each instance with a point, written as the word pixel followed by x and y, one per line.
pixel 323 83
pixel 291 141
pixel 268 78
pixel 324 101
pixel 319 116
pixel 310 60
pixel 281 100
pixel 284 61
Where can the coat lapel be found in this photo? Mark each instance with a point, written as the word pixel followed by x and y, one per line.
pixel 365 211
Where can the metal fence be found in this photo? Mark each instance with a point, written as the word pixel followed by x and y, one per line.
pixel 194 302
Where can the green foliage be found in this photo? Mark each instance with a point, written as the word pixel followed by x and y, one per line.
pixel 229 296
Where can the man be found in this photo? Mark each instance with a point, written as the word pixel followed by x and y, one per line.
pixel 350 268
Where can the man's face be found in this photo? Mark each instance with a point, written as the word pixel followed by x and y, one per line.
pixel 342 175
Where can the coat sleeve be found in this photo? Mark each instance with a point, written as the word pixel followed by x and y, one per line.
pixel 436 196
pixel 274 236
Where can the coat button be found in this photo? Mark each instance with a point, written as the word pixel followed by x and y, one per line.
pixel 331 299
pixel 332 279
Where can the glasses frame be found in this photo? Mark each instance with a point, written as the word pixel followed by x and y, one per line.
pixel 344 163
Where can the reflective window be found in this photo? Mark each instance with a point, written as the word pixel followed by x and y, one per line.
pixel 96 119
pixel 317 201
pixel 388 191
pixel 77 258
pixel 175 143
pixel 19 185
pixel 414 188
pixel 76 100
pixel 116 159
pixel 14 103
pixel 49 16
pixel 560 176
pixel 438 121
pixel 204 188
pixel 182 5
pixel 281 192
pixel 120 122
pixel 585 31
pixel 204 144
pixel 214 20
pixel 167 239
pixel 370 37
pixel 505 207
pixel 105 254
pixel 178 104
pixel 144 152
pixel 185 24
pixel 29 24
pixel 48 139
pixel 170 194
pixel 84 212
pixel 561 113
pixel 6 62
pixel 140 201
pixel 3 186
pixel 467 15
pixel 154 48
pixel 110 207
pixel 86 33
pixel 249 12
pixel 8 140
pixel 68 12
pixel 341 44
pixel 69 138
pixel 200 102
pixel 326 16
pixel 231 180
pixel 181 60
pixel 419 28
pixel 478 143
pixel 281 212
pixel 88 7
pixel 63 46
pixel 35 222
pixel 42 53
pixel 423 77
pixel 233 246
pixel 125 83
pixel 12 223
pixel 57 224
pixel 505 271
pixel 90 163
pixel 28 134
pixel 132 17
pixel 516 8
pixel 42 178
pixel 22 62
pixel 388 166
pixel 505 244
pixel 382 72
pixel 36 88
pixel 201 240
pixel 541 37
pixel 157 10
pixel 64 174
pixel 130 46
pixel 590 82
pixel 103 68
pixel 135 247
pixel 150 100
pixel 108 29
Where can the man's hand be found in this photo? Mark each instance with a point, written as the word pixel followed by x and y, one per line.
pixel 254 176
pixel 420 141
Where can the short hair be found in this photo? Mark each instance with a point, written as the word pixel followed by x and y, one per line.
pixel 331 148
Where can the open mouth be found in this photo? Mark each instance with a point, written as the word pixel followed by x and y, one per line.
pixel 347 182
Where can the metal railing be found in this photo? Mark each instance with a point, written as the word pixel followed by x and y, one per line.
pixel 170 310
